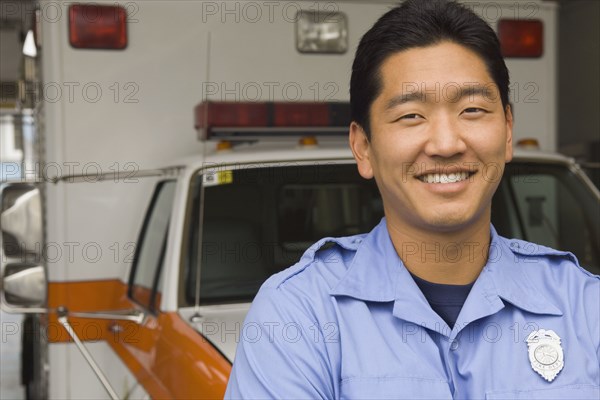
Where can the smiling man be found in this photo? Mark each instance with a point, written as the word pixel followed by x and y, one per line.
pixel 432 303
pixel 435 131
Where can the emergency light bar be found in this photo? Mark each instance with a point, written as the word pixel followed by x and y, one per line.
pixel 244 120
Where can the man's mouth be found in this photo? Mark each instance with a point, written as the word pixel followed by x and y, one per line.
pixel 445 178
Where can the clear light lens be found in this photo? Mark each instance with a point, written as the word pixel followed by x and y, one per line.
pixel 29 48
pixel 321 32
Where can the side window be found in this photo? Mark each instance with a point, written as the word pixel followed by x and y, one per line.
pixel 146 271
pixel 549 205
pixel 538 200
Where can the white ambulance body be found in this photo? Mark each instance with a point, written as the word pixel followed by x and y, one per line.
pixel 123 175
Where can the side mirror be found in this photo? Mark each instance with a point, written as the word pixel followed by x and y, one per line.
pixel 24 285
pixel 23 276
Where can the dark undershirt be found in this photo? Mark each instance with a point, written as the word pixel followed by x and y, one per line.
pixel 445 300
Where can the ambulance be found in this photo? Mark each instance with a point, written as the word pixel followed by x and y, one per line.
pixel 190 149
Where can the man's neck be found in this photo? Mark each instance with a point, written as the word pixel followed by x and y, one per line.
pixel 455 257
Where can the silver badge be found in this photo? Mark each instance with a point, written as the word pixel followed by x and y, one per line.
pixel 545 353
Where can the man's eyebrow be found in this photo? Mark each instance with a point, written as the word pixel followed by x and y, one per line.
pixel 472 91
pixel 405 98
pixel 452 94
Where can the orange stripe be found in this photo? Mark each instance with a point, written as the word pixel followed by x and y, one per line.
pixel 85 296
pixel 167 356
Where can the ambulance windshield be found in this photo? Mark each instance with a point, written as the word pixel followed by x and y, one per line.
pixel 259 219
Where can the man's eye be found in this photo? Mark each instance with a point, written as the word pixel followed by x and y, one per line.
pixel 410 116
pixel 472 110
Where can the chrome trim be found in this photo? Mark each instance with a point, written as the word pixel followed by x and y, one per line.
pixel 107 176
pixel 64 321
pixel 4 306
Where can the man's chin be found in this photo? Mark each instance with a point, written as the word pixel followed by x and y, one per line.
pixel 452 222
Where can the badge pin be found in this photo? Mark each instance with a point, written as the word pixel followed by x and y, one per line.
pixel 545 353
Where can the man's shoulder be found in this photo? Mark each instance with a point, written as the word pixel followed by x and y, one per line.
pixel 557 276
pixel 547 260
pixel 539 278
pixel 302 291
pixel 323 263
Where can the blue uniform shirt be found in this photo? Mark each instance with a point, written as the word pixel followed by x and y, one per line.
pixel 349 322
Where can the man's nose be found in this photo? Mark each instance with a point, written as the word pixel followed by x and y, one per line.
pixel 445 138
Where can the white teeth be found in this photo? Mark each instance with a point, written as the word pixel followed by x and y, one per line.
pixel 445 178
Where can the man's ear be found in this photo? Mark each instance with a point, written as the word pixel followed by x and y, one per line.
pixel 361 149
pixel 509 133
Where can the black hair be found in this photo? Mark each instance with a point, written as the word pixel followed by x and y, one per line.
pixel 420 23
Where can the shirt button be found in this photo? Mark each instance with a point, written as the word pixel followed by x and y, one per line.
pixel 454 345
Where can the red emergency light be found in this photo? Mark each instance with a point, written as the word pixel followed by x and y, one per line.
pixel 275 119
pixel 92 26
pixel 521 38
pixel 301 114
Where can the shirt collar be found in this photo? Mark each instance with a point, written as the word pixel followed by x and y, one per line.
pixel 374 271
pixel 378 274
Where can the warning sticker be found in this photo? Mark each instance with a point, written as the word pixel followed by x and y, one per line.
pixel 213 178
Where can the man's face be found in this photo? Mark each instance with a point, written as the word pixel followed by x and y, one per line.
pixel 439 139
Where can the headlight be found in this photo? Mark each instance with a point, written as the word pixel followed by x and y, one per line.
pixel 321 32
